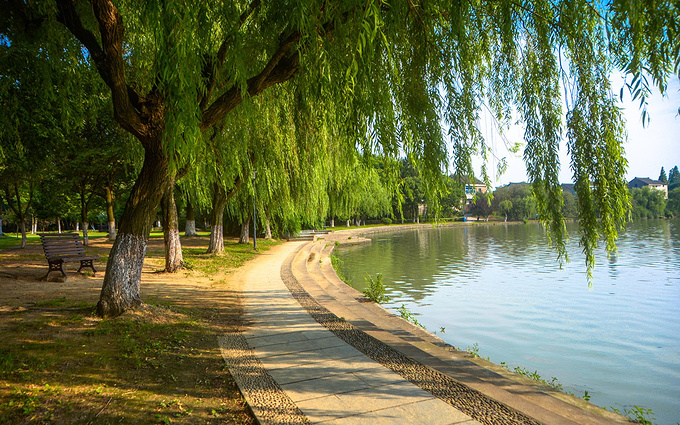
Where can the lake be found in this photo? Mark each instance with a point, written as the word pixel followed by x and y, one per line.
pixel 500 287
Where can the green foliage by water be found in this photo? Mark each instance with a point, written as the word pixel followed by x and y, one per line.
pixel 375 289
pixel 406 314
pixel 637 414
pixel 647 203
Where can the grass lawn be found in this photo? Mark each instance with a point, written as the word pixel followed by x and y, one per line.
pixel 60 363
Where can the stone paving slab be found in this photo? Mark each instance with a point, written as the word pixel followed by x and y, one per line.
pixel 327 379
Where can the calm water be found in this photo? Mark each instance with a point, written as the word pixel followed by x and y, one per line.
pixel 499 286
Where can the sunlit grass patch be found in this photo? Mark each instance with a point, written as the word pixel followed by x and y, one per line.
pixel 233 257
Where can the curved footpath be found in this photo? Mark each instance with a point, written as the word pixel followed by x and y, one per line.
pixel 310 349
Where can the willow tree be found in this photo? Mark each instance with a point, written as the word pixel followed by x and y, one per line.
pixel 285 146
pixel 40 105
pixel 394 72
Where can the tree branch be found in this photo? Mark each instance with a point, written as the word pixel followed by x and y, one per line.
pixel 211 71
pixel 282 66
pixel 108 57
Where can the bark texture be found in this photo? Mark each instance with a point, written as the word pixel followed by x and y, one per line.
pixel 120 291
pixel 217 220
pixel 109 212
pixel 190 227
pixel 174 260
pixel 23 234
pixel 245 232
pixel 85 230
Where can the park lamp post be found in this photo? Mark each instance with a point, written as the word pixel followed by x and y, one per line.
pixel 254 214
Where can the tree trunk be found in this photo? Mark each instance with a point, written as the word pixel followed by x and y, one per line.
pixel 173 247
pixel 245 232
pixel 58 224
pixel 190 227
pixel 109 212
pixel 348 223
pixel 217 220
pixel 332 222
pixel 83 218
pixel 34 225
pixel 120 291
pixel 77 226
pixel 1 227
pixel 24 239
pixel 267 228
pixel 85 230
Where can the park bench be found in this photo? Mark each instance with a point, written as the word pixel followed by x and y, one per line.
pixel 63 248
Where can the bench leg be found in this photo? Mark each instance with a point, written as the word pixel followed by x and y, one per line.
pixel 87 263
pixel 54 266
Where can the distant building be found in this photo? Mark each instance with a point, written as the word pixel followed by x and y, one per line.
pixel 471 189
pixel 477 187
pixel 639 182
pixel 568 187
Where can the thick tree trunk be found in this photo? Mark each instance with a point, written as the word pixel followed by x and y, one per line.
pixel 109 212
pixel 173 247
pixel 77 226
pixel 190 227
pixel 217 220
pixel 245 232
pixel 332 221
pixel 348 222
pixel 34 225
pixel 120 290
pixel 58 224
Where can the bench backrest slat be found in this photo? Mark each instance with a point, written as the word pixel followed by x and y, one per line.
pixel 61 244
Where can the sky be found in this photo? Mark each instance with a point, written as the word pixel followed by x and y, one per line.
pixel 648 148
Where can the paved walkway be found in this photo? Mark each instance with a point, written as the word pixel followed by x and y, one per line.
pixel 327 379
pixel 291 369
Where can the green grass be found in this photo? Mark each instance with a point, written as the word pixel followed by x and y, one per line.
pixel 234 256
pixel 158 366
pixel 13 240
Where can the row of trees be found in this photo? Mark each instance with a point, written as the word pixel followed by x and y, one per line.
pixel 91 186
pixel 516 201
pixel 213 91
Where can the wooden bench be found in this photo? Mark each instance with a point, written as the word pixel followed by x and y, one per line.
pixel 63 248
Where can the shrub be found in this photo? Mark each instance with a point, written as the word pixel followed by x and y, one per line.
pixel 386 220
pixel 375 290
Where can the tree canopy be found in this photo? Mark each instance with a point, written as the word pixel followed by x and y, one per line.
pixel 382 78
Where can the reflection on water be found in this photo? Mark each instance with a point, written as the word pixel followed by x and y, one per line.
pixel 500 286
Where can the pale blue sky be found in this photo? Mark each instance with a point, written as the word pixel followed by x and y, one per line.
pixel 648 148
